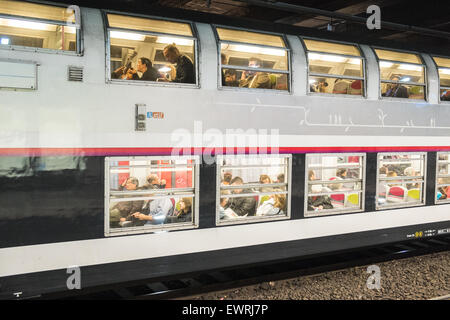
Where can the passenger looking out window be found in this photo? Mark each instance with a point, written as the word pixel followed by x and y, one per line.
pixel 254 79
pixel 395 89
pixel 184 66
pixel 242 206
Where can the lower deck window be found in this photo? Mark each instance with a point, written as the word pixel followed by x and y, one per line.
pixel 334 183
pixel 253 188
pixel 146 194
pixel 443 177
pixel 401 179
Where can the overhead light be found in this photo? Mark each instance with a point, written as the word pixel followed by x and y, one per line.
pixel 409 67
pixel 177 41
pixel 354 61
pixel 4 41
pixel 444 71
pixel 311 81
pixel 384 64
pixel 405 79
pixel 259 50
pixel 325 57
pixel 164 69
pixel 27 24
pixel 126 35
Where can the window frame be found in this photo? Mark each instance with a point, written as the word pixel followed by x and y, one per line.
pixel 194 38
pixel 308 74
pixel 110 232
pixel 404 204
pixel 334 211
pixel 254 219
pixel 425 75
pixel 287 48
pixel 436 201
pixel 439 78
pixel 79 39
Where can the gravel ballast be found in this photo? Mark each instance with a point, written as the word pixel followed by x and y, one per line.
pixel 422 277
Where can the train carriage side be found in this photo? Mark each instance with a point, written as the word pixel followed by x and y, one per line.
pixel 131 179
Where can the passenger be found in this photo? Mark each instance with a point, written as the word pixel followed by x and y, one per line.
pixel 155 211
pixel 341 173
pixel 153 182
pixel 122 211
pixel 395 89
pixel 182 212
pixel 276 204
pixel 410 172
pixel 223 61
pixel 230 78
pixel 144 66
pixel 264 179
pixel 253 79
pixel 445 96
pixel 316 203
pixel 383 171
pixel 227 178
pixel 185 68
pixel 321 87
pixel 393 183
pixel 341 86
pixel 355 87
pixel 280 178
pixel 242 206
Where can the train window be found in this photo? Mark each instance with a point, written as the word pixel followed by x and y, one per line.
pixel 253 188
pixel 335 183
pixel 400 179
pixel 253 60
pixel 147 194
pixel 39 26
pixel 443 177
pixel 443 65
pixel 334 68
pixel 142 49
pixel 402 74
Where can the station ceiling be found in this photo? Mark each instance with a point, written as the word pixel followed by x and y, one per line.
pixel 430 14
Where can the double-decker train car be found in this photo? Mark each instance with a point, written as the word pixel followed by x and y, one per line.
pixel 137 147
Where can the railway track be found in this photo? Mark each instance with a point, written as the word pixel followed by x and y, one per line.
pixel 188 286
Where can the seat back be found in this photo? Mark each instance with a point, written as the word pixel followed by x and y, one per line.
pixel 413 194
pixel 396 194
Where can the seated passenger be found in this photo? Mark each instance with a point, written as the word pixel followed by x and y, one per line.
pixel 122 211
pixel 185 72
pixel 254 79
pixel 242 206
pixel 410 172
pixel 155 211
pixel 395 89
pixel 144 66
pixel 383 171
pixel 227 176
pixel 153 182
pixel 341 173
pixel 316 203
pixel 445 96
pixel 230 78
pixel 264 179
pixel 442 190
pixel 280 178
pixel 341 86
pixel 223 61
pixel 182 212
pixel 355 87
pixel 276 204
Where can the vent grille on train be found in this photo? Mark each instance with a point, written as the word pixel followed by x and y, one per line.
pixel 75 74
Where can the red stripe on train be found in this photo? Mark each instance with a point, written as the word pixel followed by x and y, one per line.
pixel 189 151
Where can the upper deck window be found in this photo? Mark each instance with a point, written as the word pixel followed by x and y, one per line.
pixel 335 68
pixel 444 77
pixel 151 50
pixel 402 74
pixel 253 60
pixel 33 25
